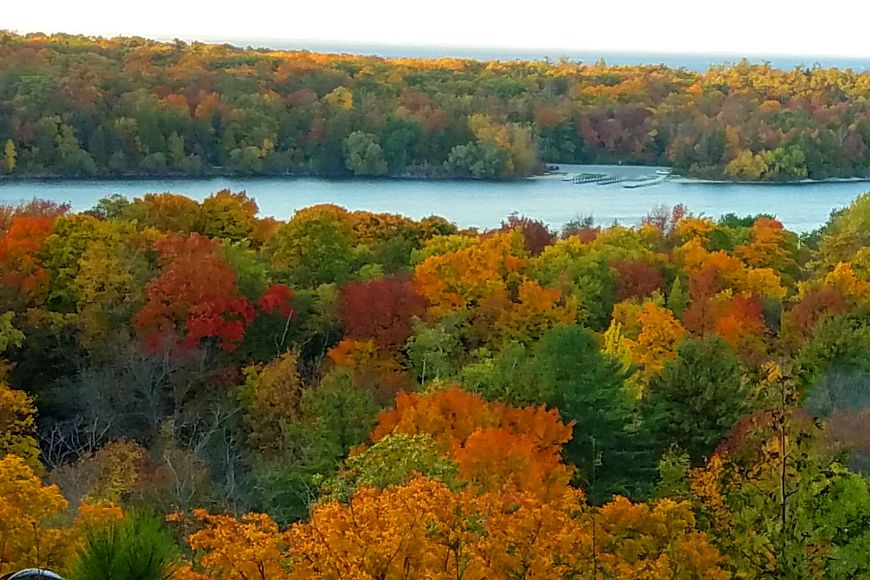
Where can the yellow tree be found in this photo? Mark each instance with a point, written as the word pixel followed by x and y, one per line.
pixel 426 530
pixel 763 282
pixel 771 246
pixel 486 280
pixel 229 216
pixel 167 212
pixel 105 284
pixel 9 156
pixel 27 510
pixel 103 477
pixel 249 548
pixel 535 311
pixel 414 530
pixel 655 542
pixel 691 227
pixel 429 530
pixel 844 279
pixel 18 427
pixel 465 278
pixel 271 395
pixel 527 537
pixel 747 165
pixel 658 338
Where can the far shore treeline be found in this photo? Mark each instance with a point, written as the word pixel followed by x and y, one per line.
pixel 76 106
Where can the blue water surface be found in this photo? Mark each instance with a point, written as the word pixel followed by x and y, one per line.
pixel 801 207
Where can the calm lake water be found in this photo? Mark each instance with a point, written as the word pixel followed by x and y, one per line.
pixel 481 204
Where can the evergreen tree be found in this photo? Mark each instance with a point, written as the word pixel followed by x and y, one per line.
pixel 697 398
pixel 569 372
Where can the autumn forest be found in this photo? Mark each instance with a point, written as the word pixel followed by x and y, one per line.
pixel 192 390
pixel 74 106
pixel 360 395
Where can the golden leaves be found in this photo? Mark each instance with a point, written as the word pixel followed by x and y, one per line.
pixel 466 277
pixel 658 337
pixel 427 529
pixel 27 508
pixel 844 279
pixel 18 427
pixel 237 549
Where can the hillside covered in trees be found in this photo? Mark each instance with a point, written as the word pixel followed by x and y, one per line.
pixel 75 106
pixel 188 390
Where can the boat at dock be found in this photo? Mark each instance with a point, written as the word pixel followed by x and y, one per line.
pixel 645 181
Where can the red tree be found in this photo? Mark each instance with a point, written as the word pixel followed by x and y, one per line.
pixel 20 269
pixel 37 208
pixel 815 306
pixel 277 298
pixel 741 320
pixel 195 296
pixel 536 235
pixel 636 279
pixel 700 316
pixel 381 310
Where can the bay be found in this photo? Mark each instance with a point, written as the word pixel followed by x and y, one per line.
pixel 483 204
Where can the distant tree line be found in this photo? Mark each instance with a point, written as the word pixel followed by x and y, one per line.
pixel 76 106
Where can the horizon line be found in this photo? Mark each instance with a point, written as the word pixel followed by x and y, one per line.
pixel 268 42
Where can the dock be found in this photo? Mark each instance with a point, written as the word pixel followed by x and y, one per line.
pixel 588 177
pixel 607 179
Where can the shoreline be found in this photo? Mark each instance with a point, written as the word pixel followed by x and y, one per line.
pixel 205 176
pixel 681 180
pixel 699 181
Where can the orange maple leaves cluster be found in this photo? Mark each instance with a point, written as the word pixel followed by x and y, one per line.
pixel 493 444
pixel 514 516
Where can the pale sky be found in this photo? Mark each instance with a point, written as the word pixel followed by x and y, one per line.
pixel 732 27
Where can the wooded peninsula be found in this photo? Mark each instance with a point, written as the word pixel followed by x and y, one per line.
pixel 77 106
